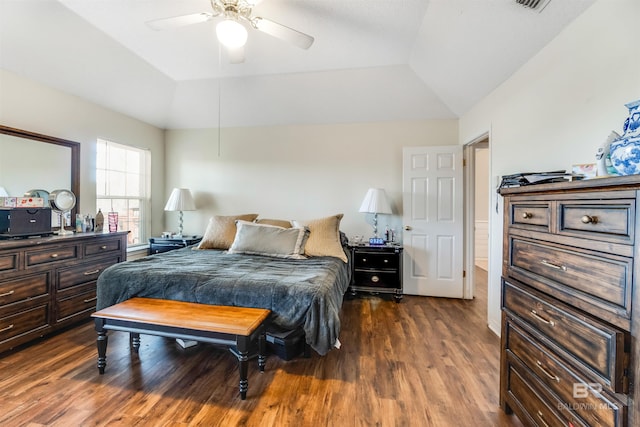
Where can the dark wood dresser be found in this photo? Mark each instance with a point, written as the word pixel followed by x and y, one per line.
pixel 48 283
pixel 569 327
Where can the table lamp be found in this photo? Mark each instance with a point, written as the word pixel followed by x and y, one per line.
pixel 180 200
pixel 375 202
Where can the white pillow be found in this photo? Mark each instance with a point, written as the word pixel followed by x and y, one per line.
pixel 270 240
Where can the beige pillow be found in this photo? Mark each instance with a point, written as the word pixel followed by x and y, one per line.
pixel 324 237
pixel 222 230
pixel 277 222
pixel 269 240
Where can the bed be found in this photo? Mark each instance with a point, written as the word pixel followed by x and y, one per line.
pixel 305 291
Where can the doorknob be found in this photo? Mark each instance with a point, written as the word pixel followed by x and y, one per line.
pixel 407 227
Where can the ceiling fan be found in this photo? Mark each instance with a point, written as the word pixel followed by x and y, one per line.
pixel 230 30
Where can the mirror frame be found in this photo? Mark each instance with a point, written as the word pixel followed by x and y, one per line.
pixel 75 158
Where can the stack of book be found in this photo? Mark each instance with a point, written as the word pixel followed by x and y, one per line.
pixel 530 178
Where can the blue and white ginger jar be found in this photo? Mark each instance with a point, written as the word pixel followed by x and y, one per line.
pixel 625 151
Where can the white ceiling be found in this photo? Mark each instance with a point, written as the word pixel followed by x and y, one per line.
pixel 372 60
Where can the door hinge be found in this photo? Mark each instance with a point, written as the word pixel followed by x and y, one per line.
pixel 464 273
pixel 464 163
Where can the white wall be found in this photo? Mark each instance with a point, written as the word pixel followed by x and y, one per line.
pixel 560 107
pixel 296 172
pixel 27 105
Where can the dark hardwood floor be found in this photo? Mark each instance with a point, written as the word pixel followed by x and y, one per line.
pixel 423 362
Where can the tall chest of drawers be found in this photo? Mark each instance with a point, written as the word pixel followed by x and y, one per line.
pixel 569 354
pixel 48 283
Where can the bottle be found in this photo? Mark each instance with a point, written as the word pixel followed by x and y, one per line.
pixel 386 234
pixel 99 222
pixel 79 223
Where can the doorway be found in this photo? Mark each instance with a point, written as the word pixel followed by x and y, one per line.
pixel 477 200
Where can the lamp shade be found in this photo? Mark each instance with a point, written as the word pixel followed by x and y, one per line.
pixel 180 200
pixel 375 201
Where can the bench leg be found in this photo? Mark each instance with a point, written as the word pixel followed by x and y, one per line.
pixel 134 338
pixel 102 346
pixel 262 351
pixel 243 368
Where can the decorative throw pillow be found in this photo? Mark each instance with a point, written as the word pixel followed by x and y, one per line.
pixel 324 237
pixel 278 222
pixel 221 231
pixel 270 240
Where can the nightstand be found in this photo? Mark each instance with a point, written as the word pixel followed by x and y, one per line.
pixel 162 244
pixel 377 269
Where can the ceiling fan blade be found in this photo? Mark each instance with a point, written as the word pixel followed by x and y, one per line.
pixel 179 21
pixel 282 32
pixel 236 55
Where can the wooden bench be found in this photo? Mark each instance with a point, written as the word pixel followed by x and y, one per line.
pixel 239 328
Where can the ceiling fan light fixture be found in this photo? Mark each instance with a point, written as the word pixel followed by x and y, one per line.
pixel 231 33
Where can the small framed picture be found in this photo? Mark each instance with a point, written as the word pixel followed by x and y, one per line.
pixel 589 170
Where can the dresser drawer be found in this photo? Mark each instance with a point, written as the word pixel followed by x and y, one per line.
pixel 593 345
pixel 531 215
pixel 76 304
pixel 51 254
pixel 82 273
pixel 101 247
pixel 576 392
pixel 533 407
pixel 605 282
pixel 24 287
pixel 23 322
pixel 376 260
pixel 609 220
pixel 8 262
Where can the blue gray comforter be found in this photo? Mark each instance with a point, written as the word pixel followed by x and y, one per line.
pixel 305 293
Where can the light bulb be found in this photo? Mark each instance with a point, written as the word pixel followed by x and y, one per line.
pixel 231 33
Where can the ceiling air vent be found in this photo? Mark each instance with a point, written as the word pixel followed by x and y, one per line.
pixel 537 5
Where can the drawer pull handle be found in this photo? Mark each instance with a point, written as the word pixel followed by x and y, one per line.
pixel 6 329
pixel 552 265
pixel 6 294
pixel 527 215
pixel 586 219
pixel 541 418
pixel 547 373
pixel 54 255
pixel 90 273
pixel 375 279
pixel 542 319
pixel 386 261
pixel 90 299
pixel 103 247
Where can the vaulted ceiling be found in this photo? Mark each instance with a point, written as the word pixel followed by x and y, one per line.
pixel 372 60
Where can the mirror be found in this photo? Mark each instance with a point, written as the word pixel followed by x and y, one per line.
pixel 30 161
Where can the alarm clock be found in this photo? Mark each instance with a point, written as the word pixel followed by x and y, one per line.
pixel 376 241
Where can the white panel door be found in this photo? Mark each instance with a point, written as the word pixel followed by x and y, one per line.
pixel 433 221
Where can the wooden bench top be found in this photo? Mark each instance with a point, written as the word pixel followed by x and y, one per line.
pixel 199 317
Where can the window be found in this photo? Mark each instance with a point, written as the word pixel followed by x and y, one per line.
pixel 123 186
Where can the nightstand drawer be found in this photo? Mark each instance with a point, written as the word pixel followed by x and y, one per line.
pixel 377 260
pixel 377 279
